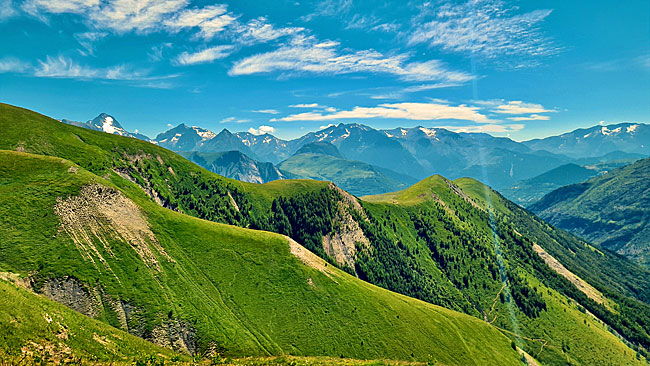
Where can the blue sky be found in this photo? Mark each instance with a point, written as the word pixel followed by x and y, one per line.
pixel 522 69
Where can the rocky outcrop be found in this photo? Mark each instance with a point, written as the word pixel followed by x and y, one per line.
pixel 341 245
pixel 175 334
pixel 74 294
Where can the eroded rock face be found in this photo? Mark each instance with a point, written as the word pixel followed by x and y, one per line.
pixel 341 245
pixel 92 302
pixel 175 334
pixel 74 294
pixel 100 215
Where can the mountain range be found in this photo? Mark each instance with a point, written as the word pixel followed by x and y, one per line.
pixel 418 152
pixel 411 153
pixel 168 251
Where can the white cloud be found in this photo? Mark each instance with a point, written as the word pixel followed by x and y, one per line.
pixel 203 56
pixel 261 130
pixel 141 16
pixel 210 20
pixel 306 105
pixel 411 111
pixel 532 117
pixel 486 128
pixel 259 30
pixel 36 7
pixel 170 125
pixel 234 120
pixel 308 55
pixel 61 67
pixel 10 64
pixel 485 27
pixel 66 68
pixel 87 40
pixel 267 111
pixel 156 53
pixel 6 9
pixel 519 107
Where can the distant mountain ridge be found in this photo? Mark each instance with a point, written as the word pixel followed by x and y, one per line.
pixel 418 151
pixel 236 165
pixel 106 123
pixel 597 140
pixel 322 161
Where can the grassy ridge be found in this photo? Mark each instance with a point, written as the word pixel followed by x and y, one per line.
pixel 454 239
pixel 230 283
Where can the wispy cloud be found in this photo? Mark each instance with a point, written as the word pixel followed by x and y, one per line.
pixel 486 128
pixel 210 20
pixel 394 93
pixel 6 9
pixel 618 64
pixel 10 64
pixel 259 30
pixel 261 130
pixel 306 105
pixel 87 40
pixel 305 54
pixel 410 111
pixel 66 68
pixel 267 111
pixel 519 107
pixel 532 117
pixel 204 56
pixel 485 27
pixel 157 52
pixel 234 120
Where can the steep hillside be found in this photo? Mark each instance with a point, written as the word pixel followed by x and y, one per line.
pixel 433 241
pixel 612 210
pixel 505 263
pixel 206 287
pixel 235 165
pixel 37 330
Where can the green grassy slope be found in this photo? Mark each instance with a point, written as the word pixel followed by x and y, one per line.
pixel 241 290
pixel 34 329
pixel 353 176
pixel 438 248
pixel 452 238
pixel 611 210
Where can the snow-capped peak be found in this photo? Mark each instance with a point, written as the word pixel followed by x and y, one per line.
pixel 429 132
pixel 203 133
pixel 107 126
pixel 632 129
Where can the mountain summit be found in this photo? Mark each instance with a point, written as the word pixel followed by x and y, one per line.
pixel 107 123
